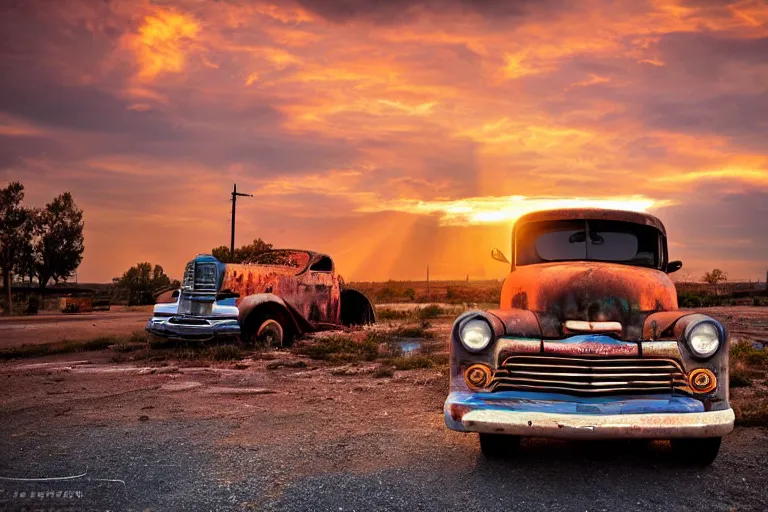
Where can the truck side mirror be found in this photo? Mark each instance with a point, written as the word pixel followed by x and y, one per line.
pixel 498 255
pixel 673 266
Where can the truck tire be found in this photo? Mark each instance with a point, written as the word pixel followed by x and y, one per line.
pixel 265 331
pixel 270 333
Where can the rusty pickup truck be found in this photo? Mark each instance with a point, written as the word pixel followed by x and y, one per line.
pixel 588 343
pixel 281 294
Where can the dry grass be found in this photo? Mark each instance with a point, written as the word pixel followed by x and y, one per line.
pixel 59 347
pixel 747 373
pixel 338 348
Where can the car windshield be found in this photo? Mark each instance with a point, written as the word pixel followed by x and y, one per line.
pixel 596 240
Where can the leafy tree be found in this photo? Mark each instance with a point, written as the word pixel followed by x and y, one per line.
pixel 244 254
pixel 59 240
pixel 14 233
pixel 715 277
pixel 25 264
pixel 142 281
pixel 221 253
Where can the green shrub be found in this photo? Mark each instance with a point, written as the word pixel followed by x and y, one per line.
pixel 391 314
pixel 430 311
pixel 743 353
pixel 383 372
pixel 410 362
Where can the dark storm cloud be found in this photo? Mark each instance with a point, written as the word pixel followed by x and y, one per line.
pixel 724 227
pixel 40 100
pixel 394 11
pixel 705 54
pixel 744 118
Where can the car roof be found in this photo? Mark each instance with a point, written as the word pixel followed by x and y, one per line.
pixel 594 214
pixel 312 254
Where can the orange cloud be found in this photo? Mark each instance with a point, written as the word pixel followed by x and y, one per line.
pixel 162 42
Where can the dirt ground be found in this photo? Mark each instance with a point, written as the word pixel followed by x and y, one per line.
pixel 176 435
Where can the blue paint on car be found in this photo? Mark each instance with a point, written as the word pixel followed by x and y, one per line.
pixel 526 401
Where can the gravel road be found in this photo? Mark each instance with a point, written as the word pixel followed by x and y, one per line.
pixel 221 438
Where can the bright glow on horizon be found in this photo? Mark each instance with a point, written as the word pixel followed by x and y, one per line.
pixel 507 209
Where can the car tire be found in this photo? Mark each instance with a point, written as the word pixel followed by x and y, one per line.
pixel 496 446
pixel 696 451
pixel 270 333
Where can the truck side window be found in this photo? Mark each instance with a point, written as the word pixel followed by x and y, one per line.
pixel 324 264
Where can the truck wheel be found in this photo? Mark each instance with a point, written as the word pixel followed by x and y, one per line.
pixel 496 446
pixel 696 451
pixel 270 333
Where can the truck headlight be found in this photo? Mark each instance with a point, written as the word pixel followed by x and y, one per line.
pixel 703 339
pixel 475 334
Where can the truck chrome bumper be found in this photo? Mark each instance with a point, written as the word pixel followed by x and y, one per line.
pixel 595 426
pixel 193 328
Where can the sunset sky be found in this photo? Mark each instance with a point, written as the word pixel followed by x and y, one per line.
pixel 392 135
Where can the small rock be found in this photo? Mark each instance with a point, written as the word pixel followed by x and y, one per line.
pixel 143 417
pixel 286 363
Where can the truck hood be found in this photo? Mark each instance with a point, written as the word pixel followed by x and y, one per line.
pixel 589 291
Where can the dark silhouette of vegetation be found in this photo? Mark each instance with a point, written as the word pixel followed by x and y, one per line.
pixel 244 254
pixel 14 237
pixel 715 277
pixel 142 282
pixel 58 241
pixel 43 243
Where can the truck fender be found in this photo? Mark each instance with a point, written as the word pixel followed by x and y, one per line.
pixel 283 311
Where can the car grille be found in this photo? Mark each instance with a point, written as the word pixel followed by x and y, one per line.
pixel 195 308
pixel 589 376
pixel 205 277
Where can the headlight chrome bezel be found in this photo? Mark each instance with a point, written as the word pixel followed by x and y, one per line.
pixel 690 330
pixel 472 320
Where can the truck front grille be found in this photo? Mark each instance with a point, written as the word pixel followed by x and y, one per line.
pixel 205 277
pixel 194 307
pixel 589 375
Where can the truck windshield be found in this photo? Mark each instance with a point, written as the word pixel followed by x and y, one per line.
pixel 595 240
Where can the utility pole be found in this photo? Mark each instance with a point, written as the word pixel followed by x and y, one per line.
pixel 429 296
pixel 235 195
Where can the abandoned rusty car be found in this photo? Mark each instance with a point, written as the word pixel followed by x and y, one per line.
pixel 588 343
pixel 280 295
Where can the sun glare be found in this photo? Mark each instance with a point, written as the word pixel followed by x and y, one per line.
pixel 507 209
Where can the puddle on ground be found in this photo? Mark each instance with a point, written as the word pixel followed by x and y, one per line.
pixel 409 346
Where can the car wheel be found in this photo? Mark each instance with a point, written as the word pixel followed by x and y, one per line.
pixel 696 451
pixel 270 333
pixel 499 445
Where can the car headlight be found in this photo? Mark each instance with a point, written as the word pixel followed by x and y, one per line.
pixel 476 334
pixel 704 339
